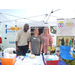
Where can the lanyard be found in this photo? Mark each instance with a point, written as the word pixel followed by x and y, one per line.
pixel 44 40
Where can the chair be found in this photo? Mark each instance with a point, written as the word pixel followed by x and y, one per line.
pixel 65 53
pixel 10 50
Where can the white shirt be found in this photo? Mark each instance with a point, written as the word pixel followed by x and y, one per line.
pixel 22 37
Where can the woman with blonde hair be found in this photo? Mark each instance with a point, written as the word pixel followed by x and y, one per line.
pixel 47 39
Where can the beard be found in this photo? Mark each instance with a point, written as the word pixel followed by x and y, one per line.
pixel 25 30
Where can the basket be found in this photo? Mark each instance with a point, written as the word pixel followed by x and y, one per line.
pixel 51 48
pixel 8 61
pixel 51 61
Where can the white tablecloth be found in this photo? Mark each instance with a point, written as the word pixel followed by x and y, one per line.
pixel 22 60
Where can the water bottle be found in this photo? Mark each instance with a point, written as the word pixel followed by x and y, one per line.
pixel 43 54
pixel 2 54
pixel 48 52
pixel 26 55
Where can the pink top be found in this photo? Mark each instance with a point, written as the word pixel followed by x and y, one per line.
pixel 47 41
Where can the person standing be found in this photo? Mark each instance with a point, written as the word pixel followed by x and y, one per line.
pixel 62 41
pixel 67 41
pixel 36 43
pixel 47 39
pixel 22 40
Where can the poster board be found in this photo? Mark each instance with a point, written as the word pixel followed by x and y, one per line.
pixel 66 27
pixel 65 40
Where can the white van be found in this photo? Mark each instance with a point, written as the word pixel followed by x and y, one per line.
pixel 8 35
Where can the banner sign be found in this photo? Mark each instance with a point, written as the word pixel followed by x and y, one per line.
pixel 11 30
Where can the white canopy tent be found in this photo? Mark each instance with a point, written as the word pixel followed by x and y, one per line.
pixel 34 16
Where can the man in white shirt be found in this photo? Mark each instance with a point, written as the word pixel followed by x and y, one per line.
pixel 22 40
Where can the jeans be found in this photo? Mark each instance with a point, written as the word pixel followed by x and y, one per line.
pixel 22 50
pixel 37 54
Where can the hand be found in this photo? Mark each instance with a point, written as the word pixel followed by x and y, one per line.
pixel 31 51
pixel 17 49
pixel 40 52
pixel 50 47
pixel 57 53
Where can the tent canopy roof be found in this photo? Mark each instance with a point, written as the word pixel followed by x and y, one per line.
pixel 12 16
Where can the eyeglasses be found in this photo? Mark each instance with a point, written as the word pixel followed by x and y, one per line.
pixel 45 29
pixel 36 28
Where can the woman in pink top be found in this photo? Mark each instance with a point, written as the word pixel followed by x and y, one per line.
pixel 47 39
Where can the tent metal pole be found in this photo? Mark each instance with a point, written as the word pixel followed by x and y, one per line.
pixel 51 13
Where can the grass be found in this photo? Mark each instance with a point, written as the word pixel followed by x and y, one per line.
pixel 70 62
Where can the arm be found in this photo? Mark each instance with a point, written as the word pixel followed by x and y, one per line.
pixel 41 48
pixel 17 49
pixel 28 39
pixel 51 40
pixel 16 41
pixel 41 45
pixel 28 44
pixel 30 47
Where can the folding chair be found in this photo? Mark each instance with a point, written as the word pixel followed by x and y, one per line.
pixel 65 53
pixel 10 50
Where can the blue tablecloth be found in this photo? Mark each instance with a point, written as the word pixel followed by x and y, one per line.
pixel 61 63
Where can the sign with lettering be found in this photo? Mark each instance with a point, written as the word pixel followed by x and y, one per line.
pixel 66 27
pixel 10 30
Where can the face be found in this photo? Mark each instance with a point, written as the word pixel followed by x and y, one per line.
pixel 36 31
pixel 26 27
pixel 46 30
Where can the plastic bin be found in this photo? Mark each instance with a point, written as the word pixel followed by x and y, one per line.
pixel 8 61
pixel 53 60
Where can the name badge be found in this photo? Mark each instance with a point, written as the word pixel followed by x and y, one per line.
pixel 44 43
pixel 34 38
